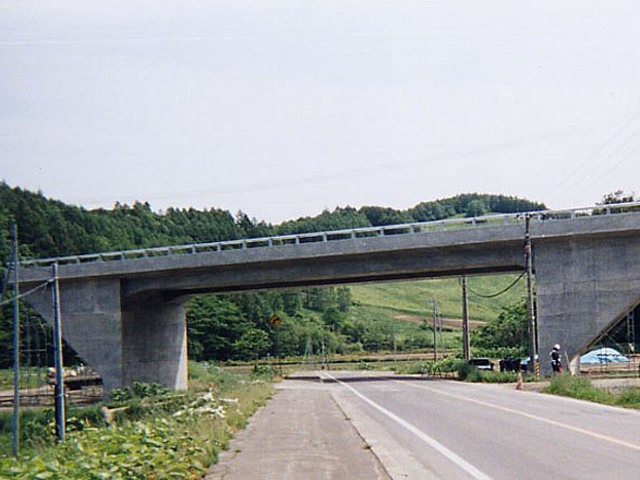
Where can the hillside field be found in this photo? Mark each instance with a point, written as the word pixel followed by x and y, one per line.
pixel 406 300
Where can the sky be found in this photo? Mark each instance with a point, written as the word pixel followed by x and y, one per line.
pixel 282 109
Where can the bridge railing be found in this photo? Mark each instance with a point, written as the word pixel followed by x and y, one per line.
pixel 333 235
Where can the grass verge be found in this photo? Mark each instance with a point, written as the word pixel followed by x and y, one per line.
pixel 453 367
pixel 165 435
pixel 582 388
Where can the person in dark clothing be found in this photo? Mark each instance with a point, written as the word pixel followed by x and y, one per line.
pixel 555 359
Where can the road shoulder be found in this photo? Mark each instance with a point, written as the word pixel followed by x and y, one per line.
pixel 300 433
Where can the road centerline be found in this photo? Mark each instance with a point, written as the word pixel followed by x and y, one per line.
pixel 549 421
pixel 449 454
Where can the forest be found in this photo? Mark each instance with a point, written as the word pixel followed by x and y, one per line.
pixel 230 326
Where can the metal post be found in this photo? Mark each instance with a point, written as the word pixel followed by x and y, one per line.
pixel 395 347
pixel 435 331
pixel 441 335
pixel 466 350
pixel 533 362
pixel 60 408
pixel 16 346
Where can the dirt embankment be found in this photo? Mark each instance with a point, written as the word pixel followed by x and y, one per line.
pixel 447 322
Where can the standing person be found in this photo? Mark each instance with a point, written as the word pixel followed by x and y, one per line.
pixel 555 359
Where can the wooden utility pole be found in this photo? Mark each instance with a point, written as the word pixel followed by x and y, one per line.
pixel 528 256
pixel 466 349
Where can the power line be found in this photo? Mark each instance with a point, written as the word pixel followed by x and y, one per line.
pixel 374 167
pixel 493 295
pixel 25 294
pixel 613 167
pixel 595 156
pixel 4 281
pixel 596 173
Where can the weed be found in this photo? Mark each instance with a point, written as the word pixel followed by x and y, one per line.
pixel 147 439
pixel 582 388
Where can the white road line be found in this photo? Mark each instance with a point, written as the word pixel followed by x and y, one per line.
pixel 459 461
pixel 566 426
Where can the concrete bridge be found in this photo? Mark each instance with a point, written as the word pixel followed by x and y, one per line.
pixel 123 311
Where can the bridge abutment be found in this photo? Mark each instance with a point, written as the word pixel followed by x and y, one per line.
pixel 584 285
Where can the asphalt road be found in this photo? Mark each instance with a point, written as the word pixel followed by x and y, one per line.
pixel 452 430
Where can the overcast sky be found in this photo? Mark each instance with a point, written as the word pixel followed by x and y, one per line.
pixel 284 108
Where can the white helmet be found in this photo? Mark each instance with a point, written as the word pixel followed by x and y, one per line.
pixel 556 346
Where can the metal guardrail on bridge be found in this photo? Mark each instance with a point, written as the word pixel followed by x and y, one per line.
pixel 333 235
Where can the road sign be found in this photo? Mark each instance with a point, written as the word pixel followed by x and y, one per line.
pixel 275 320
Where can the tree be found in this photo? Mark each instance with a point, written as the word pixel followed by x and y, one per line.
pixel 334 319
pixel 214 323
pixel 510 329
pixel 476 208
pixel 378 216
pixel 343 298
pixel 253 343
pixel 617 197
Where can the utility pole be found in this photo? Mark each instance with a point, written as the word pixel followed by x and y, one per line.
pixel 60 407
pixel 466 350
pixel 435 331
pixel 528 256
pixel 16 346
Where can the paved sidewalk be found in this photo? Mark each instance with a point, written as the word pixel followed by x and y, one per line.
pixel 300 434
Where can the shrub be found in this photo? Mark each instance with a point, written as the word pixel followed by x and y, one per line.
pixel 263 371
pixel 450 364
pixel 497 377
pixel 576 387
pixel 468 373
pixel 629 397
pixel 138 390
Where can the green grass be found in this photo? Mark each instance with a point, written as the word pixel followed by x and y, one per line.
pixel 171 435
pixel 415 297
pixel 405 331
pixel 29 377
pixel 582 388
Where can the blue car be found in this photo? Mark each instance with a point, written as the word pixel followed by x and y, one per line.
pixel 524 364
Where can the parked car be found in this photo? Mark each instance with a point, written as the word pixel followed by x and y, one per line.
pixel 524 364
pixel 510 365
pixel 481 363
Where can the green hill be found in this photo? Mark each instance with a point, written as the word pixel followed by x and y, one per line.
pixel 416 297
pixel 406 308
